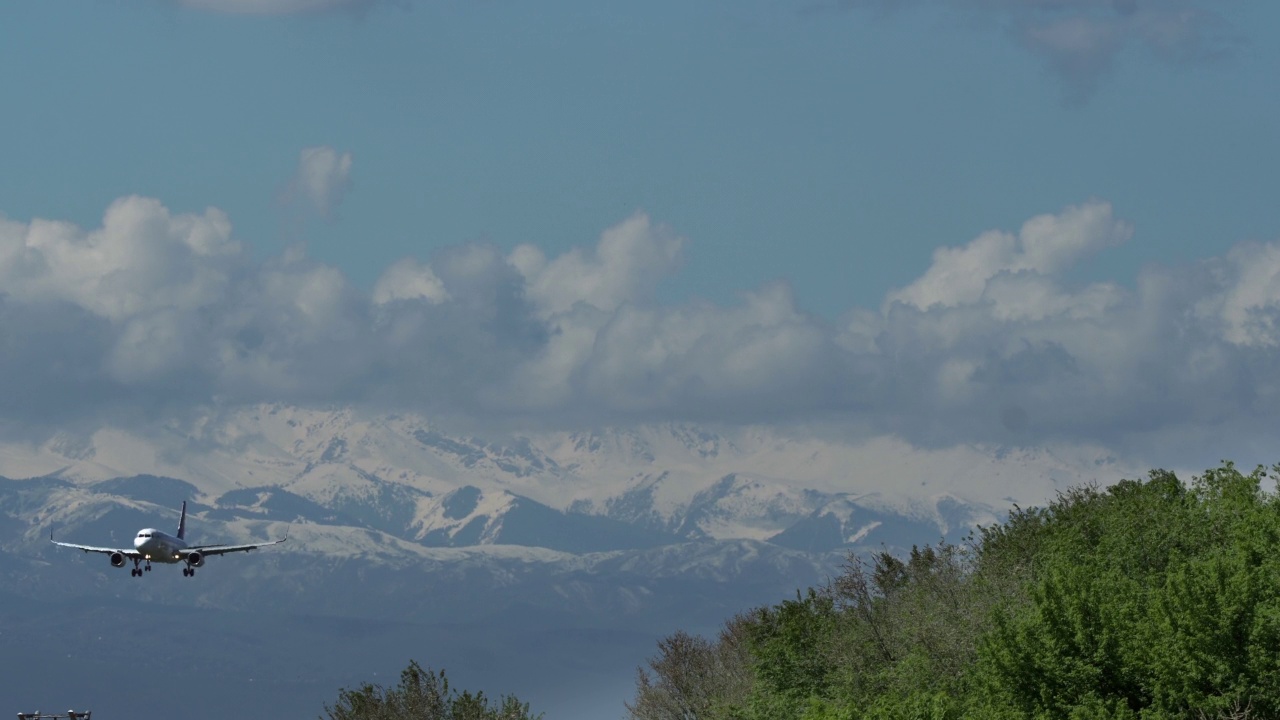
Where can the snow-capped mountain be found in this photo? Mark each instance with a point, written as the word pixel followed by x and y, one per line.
pixel 608 489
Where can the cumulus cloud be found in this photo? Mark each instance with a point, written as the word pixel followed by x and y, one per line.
pixel 1080 41
pixel 993 342
pixel 1046 245
pixel 409 279
pixel 144 273
pixel 319 182
pixel 626 266
pixel 1022 354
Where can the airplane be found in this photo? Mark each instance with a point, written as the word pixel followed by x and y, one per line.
pixel 153 545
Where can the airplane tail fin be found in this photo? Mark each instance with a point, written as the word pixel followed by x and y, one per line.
pixel 182 523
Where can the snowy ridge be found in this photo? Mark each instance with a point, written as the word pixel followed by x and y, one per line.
pixel 645 485
pixel 463 512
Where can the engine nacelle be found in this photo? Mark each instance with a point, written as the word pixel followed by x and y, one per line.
pixel 117 559
pixel 195 559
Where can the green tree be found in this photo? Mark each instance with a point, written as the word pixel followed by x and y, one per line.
pixel 423 694
pixel 693 678
pixel 1148 600
pixel 791 659
pixel 1071 650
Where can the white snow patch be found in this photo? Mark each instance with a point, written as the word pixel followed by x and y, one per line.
pixel 863 531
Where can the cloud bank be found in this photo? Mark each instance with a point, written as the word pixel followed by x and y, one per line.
pixel 155 311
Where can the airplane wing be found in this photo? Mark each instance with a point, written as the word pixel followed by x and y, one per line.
pixel 130 553
pixel 224 549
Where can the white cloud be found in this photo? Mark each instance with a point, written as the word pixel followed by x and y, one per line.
pixel 409 279
pixel 626 266
pixel 1046 246
pixel 993 342
pixel 141 259
pixel 145 272
pixel 992 331
pixel 320 182
pixel 761 356
pixel 1246 304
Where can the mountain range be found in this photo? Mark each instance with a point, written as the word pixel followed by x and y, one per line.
pixel 543 564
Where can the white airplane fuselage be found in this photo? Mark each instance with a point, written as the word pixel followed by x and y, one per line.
pixel 158 546
pixel 151 545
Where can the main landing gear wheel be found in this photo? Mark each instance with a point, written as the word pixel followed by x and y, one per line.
pixel 189 572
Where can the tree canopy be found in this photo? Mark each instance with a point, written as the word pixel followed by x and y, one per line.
pixel 1148 600
pixel 423 694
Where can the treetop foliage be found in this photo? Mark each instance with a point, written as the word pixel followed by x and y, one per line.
pixel 1147 600
pixel 423 694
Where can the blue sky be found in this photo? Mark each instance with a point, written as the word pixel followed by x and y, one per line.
pixel 801 161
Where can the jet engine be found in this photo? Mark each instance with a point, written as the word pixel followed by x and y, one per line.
pixel 117 559
pixel 195 559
